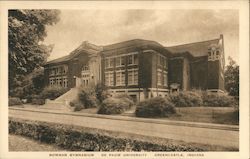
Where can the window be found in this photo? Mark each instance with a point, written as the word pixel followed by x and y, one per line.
pixel 162 61
pixel 132 76
pixel 56 70
pixel 65 82
pixel 85 68
pixel 133 59
pixel 109 62
pixel 159 77
pixel 109 78
pixel 120 61
pixel 217 52
pixel 65 69
pixel 51 81
pixel 213 53
pixel 52 72
pixel 106 63
pixel 120 77
pixel 165 78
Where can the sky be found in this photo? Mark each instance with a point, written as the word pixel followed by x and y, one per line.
pixel 168 27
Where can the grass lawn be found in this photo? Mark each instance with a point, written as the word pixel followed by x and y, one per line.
pixel 21 143
pixel 219 115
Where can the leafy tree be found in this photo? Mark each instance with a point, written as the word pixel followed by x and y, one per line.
pixel 232 78
pixel 26 32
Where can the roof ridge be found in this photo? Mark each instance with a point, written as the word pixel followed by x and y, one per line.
pixel 59 58
pixel 128 41
pixel 192 43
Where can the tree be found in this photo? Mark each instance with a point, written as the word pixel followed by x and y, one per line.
pixel 26 32
pixel 232 78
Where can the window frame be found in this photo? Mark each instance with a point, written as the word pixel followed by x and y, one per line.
pixel 110 77
pixel 159 77
pixel 133 58
pixel 122 80
pixel 134 77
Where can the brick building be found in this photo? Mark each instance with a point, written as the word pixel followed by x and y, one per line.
pixel 142 68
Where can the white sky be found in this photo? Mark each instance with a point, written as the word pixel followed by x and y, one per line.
pixel 168 27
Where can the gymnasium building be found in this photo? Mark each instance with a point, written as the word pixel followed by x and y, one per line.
pixel 141 68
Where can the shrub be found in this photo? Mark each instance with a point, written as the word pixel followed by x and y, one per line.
pixel 37 100
pixel 114 105
pixel 186 99
pixel 155 107
pixel 53 92
pixel 82 139
pixel 101 92
pixel 87 98
pixel 77 106
pixel 14 101
pixel 125 97
pixel 217 99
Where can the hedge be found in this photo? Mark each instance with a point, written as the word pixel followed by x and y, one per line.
pixel 186 99
pixel 76 139
pixel 155 107
pixel 14 101
pixel 218 100
pixel 196 98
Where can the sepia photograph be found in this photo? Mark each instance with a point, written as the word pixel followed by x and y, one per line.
pixel 125 83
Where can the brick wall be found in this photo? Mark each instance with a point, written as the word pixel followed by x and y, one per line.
pixel 176 71
pixel 199 73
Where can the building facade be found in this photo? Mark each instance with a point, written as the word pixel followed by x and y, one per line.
pixel 141 68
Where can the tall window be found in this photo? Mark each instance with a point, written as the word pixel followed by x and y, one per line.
pixel 51 81
pixel 132 76
pixel 165 78
pixel 120 77
pixel 109 78
pixel 120 61
pixel 133 59
pixel 159 77
pixel 109 62
pixel 65 82
pixel 65 69
pixel 162 60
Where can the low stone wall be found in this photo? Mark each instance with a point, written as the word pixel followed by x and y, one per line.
pixel 82 139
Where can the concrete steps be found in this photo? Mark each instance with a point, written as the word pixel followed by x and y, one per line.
pixel 72 94
pixel 62 102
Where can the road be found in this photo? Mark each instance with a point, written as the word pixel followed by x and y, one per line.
pixel 226 138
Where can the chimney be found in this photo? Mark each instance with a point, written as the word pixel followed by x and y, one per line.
pixel 221 36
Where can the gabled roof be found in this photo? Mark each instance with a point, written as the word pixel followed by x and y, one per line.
pixel 85 47
pixel 195 49
pixel 61 59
